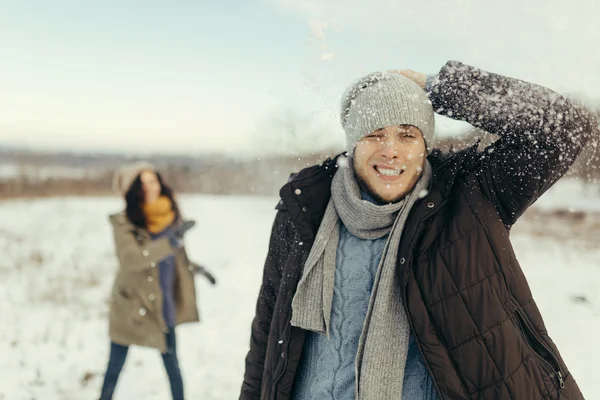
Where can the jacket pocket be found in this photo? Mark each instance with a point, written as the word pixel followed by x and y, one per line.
pixel 538 347
pixel 128 305
pixel 125 294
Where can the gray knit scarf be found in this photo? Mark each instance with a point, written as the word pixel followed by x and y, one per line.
pixel 383 344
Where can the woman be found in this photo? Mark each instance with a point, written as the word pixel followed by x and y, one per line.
pixel 154 288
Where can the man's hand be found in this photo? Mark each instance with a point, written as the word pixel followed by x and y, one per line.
pixel 417 77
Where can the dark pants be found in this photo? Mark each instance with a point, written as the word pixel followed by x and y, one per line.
pixel 118 354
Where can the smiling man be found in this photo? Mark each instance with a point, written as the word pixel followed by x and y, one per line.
pixel 389 162
pixel 390 273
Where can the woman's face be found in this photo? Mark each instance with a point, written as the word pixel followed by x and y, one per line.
pixel 151 186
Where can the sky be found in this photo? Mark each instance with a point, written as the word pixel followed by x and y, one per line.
pixel 257 76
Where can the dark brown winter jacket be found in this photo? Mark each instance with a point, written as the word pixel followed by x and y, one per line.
pixel 471 311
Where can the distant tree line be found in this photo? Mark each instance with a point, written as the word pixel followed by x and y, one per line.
pixel 213 175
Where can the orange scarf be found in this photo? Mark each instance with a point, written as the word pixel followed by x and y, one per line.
pixel 159 215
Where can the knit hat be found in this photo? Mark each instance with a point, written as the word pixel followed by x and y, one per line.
pixel 126 175
pixel 383 99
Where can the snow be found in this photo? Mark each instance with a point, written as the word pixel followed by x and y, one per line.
pixel 58 266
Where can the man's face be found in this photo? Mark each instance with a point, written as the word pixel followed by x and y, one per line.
pixel 389 162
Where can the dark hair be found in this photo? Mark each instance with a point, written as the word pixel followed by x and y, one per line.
pixel 134 198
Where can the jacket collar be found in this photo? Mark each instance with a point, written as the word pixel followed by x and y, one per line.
pixel 121 222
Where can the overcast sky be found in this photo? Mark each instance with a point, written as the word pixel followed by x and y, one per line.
pixel 252 76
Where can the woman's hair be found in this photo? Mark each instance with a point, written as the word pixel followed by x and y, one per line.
pixel 134 198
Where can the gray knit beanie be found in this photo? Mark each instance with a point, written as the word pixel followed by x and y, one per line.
pixel 126 174
pixel 383 99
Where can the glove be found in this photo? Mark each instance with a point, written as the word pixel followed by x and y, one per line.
pixel 183 228
pixel 199 269
pixel 210 278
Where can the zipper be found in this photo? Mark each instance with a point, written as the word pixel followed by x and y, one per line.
pixel 405 298
pixel 287 341
pixel 285 364
pixel 524 326
pixel 412 330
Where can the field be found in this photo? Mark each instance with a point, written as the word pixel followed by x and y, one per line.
pixel 57 268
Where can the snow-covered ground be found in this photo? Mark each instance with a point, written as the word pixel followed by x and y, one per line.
pixel 57 267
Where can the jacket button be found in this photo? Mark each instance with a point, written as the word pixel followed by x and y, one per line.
pixel 142 311
pixel 304 209
pixel 138 237
pixel 153 264
pixel 145 253
pixel 280 342
pixel 191 267
pixel 298 191
pixel 402 260
pixel 150 279
pixel 151 297
pixel 430 205
pixel 282 355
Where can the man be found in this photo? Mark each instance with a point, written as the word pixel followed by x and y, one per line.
pixel 390 273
